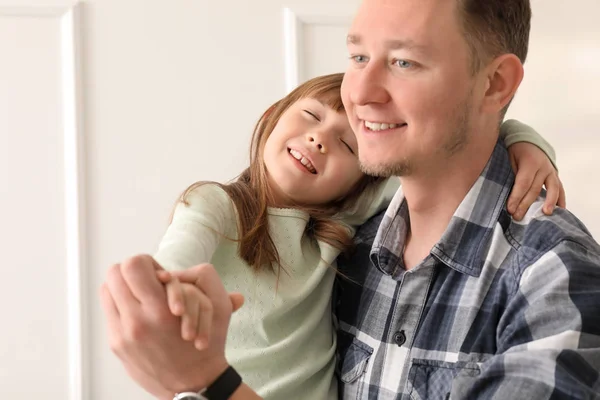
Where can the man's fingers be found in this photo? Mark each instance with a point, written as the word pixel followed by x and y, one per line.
pixel 520 188
pixel 140 274
pixel 237 300
pixel 120 292
pixel 113 319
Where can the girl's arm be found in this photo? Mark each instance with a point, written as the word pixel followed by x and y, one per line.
pixel 513 131
pixel 197 228
pixel 534 163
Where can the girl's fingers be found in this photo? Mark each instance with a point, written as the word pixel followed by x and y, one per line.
pixel 205 311
pixel 553 185
pixel 176 297
pixel 530 196
pixel 523 182
pixel 164 276
pixel 562 196
pixel 197 321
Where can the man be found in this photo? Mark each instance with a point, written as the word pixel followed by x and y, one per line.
pixel 454 299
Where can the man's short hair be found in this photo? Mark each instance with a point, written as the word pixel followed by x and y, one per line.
pixel 495 27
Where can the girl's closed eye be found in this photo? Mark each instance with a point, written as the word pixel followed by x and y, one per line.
pixel 312 114
pixel 347 146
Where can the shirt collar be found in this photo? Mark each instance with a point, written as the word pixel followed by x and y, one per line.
pixel 465 242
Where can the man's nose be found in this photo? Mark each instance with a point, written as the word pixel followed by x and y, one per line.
pixel 367 86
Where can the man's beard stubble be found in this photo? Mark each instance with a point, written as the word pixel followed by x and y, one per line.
pixel 455 142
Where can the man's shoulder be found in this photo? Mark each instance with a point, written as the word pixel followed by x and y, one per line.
pixel 562 233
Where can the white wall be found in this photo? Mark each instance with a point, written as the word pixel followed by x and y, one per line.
pixel 560 96
pixel 171 91
pixel 40 301
pixel 39 190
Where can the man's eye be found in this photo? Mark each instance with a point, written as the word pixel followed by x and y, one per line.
pixel 403 64
pixel 358 59
pixel 312 115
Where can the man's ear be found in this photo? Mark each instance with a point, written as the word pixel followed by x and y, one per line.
pixel 504 75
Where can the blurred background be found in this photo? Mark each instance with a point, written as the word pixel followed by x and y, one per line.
pixel 110 108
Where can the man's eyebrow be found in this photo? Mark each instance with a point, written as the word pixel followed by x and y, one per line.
pixel 353 39
pixel 393 44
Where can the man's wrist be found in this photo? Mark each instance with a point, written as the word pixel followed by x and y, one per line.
pixel 203 380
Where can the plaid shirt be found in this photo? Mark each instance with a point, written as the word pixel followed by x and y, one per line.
pixel 499 309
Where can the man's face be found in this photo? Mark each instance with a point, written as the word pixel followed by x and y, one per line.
pixel 408 89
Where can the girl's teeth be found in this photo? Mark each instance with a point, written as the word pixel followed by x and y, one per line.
pixel 303 160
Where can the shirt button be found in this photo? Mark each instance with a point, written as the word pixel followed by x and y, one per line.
pixel 399 338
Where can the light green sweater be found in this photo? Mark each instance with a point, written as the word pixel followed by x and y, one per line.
pixel 282 340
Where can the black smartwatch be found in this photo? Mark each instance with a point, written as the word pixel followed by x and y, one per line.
pixel 221 389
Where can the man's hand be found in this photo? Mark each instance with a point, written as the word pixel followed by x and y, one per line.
pixel 145 335
pixel 186 300
pixel 533 171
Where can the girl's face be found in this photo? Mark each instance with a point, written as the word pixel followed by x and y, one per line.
pixel 311 156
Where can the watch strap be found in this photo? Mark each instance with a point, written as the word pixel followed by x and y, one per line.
pixel 224 386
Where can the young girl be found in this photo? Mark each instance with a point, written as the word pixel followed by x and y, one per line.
pixel 274 235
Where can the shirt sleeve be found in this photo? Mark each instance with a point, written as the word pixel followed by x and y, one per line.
pixel 197 228
pixel 513 131
pixel 549 335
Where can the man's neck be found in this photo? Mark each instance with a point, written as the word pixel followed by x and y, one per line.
pixel 433 199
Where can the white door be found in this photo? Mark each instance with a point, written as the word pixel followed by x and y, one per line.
pixel 93 154
pixel 40 299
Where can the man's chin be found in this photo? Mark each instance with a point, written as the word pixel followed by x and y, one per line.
pixel 385 170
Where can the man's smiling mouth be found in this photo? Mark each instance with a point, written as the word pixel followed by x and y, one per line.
pixel 380 126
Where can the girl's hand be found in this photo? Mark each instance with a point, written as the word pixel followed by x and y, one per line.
pixel 533 171
pixel 188 301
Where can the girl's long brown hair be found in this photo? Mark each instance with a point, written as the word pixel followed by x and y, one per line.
pixel 251 193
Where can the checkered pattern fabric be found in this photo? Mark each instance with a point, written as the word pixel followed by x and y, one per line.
pixel 499 309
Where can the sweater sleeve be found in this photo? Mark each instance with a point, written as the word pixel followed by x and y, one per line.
pixel 197 228
pixel 513 131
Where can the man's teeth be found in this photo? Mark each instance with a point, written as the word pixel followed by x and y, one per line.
pixel 376 126
pixel 303 160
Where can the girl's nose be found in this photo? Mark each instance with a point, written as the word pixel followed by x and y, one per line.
pixel 314 140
